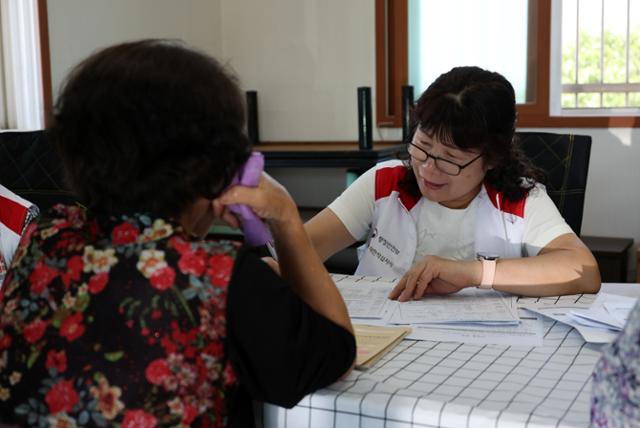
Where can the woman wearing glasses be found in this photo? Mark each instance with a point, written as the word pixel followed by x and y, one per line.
pixel 464 209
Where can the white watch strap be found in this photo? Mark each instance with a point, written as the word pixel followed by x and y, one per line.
pixel 488 274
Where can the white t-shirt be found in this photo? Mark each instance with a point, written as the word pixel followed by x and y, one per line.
pixel 447 232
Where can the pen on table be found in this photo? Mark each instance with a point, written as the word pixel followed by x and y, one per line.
pixel 272 250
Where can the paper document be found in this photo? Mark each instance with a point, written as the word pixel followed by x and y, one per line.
pixel 470 305
pixel 529 332
pixel 607 311
pixel 365 299
pixel 563 315
pixel 471 315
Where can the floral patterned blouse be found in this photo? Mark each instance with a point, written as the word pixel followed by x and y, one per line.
pixel 615 400
pixel 123 321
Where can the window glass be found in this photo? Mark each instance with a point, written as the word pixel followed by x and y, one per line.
pixel 492 34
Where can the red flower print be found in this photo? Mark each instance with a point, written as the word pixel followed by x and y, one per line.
pixel 229 375
pixel 28 232
pixel 179 244
pixel 168 345
pixel 138 419
pixel 178 336
pixel 215 349
pixel 61 397
pixel 5 340
pixel 57 360
pixel 157 371
pixel 41 277
pixel 97 282
pixel 156 314
pixel 163 278
pixel 71 327
pixel 73 272
pixel 33 331
pixel 191 263
pixel 189 414
pixel 219 404
pixel 124 233
pixel 220 267
pixel 190 351
pixel 23 245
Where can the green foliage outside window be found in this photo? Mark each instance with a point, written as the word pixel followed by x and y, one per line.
pixel 589 72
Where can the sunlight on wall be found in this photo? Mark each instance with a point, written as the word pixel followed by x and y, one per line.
pixel 622 134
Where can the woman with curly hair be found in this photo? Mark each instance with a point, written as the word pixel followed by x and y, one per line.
pixel 124 311
pixel 464 209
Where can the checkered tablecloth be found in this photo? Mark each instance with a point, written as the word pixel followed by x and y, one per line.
pixel 440 384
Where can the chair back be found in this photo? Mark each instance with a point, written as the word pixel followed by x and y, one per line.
pixel 565 160
pixel 31 167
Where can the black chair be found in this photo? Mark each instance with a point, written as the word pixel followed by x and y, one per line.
pixel 565 160
pixel 31 167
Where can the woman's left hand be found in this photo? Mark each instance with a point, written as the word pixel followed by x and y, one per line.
pixel 435 275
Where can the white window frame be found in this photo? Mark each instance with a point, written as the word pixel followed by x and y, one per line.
pixel 21 89
pixel 555 77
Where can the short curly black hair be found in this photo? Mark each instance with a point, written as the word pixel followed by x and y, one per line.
pixel 472 108
pixel 149 126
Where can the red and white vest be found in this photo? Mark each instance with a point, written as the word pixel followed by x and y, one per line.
pixel 392 243
pixel 14 214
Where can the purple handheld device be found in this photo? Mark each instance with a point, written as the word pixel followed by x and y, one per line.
pixel 255 230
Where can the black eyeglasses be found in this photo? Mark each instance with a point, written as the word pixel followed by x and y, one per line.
pixel 444 165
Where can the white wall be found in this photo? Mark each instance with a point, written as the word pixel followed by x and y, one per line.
pixel 79 27
pixel 306 58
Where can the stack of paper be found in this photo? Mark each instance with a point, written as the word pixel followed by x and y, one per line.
pixel 598 323
pixel 608 311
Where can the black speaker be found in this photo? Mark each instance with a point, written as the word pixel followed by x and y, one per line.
pixel 364 118
pixel 252 117
pixel 407 106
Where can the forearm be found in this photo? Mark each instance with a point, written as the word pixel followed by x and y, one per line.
pixel 301 266
pixel 554 273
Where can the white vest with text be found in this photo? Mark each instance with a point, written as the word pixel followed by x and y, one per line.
pixel 392 242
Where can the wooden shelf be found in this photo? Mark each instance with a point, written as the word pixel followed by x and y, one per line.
pixel 327 154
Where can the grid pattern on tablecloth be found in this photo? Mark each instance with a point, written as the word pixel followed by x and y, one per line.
pixel 440 384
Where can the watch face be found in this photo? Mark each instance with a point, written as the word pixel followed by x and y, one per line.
pixel 483 256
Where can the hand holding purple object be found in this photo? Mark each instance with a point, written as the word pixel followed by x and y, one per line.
pixel 256 232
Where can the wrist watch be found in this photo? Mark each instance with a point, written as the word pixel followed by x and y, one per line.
pixel 489 262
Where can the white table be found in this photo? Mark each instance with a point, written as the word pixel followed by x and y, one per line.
pixel 439 384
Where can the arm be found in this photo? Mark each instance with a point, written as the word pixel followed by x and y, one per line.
pixel 564 266
pixel 347 218
pixel 328 234
pixel 299 264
